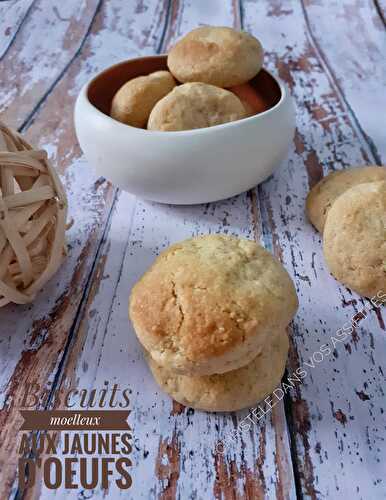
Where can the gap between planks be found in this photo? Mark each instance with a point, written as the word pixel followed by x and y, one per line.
pixel 381 9
pixel 323 60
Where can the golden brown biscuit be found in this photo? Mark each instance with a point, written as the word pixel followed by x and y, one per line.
pixel 324 193
pixel 231 391
pixel 134 101
pixel 209 304
pixel 195 105
pixel 216 55
pixel 354 239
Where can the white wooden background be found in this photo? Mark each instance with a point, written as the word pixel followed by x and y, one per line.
pixel 328 438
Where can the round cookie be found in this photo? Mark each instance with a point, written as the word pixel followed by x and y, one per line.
pixel 216 55
pixel 231 391
pixel 195 105
pixel 354 239
pixel 209 304
pixel 325 192
pixel 134 101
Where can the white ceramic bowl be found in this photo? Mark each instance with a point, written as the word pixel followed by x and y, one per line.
pixel 192 166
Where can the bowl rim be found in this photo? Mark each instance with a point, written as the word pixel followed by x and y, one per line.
pixel 168 133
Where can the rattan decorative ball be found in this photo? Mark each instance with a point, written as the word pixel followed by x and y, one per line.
pixel 33 213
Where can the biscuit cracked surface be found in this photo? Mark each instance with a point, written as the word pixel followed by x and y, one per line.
pixel 210 304
pixel 216 55
pixel 354 239
pixel 195 105
pixel 134 101
pixel 322 196
pixel 231 391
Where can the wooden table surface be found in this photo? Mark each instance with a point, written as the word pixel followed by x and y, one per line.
pixel 327 438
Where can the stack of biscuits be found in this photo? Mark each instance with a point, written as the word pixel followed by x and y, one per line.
pixel 349 208
pixel 213 65
pixel 211 314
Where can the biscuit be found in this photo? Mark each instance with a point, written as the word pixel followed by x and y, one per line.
pixel 134 101
pixel 324 193
pixel 231 391
pixel 354 239
pixel 209 304
pixel 216 55
pixel 195 105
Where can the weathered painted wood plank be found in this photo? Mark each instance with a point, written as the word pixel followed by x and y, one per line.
pixel 320 450
pixel 174 454
pixel 355 54
pixel 105 348
pixel 31 348
pixel 12 15
pixel 45 45
pixel 338 409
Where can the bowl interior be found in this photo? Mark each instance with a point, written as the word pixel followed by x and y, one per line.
pixel 103 87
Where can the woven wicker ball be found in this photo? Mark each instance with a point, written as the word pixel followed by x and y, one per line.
pixel 33 212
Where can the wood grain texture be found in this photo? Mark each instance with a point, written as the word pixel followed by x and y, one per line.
pixel 174 454
pixel 31 350
pixel 354 53
pixel 380 6
pixel 337 411
pixel 12 15
pixel 77 331
pixel 31 67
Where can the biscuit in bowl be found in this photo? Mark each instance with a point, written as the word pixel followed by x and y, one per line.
pixel 354 238
pixel 210 304
pixel 216 55
pixel 231 391
pixel 325 192
pixel 134 101
pixel 195 105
